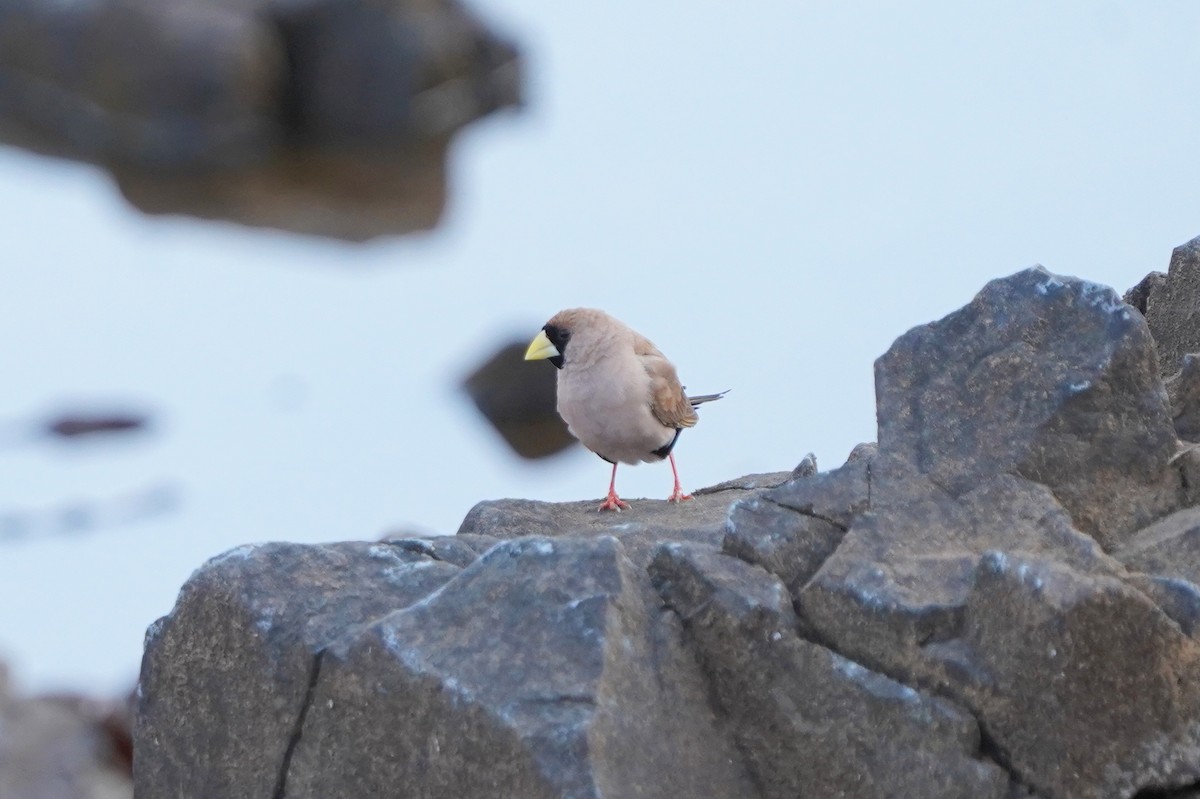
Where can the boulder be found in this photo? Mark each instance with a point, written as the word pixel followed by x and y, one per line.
pixel 1001 599
pixel 74 81
pixel 1083 685
pixel 323 116
pixel 809 721
pixel 227 674
pixel 544 669
pixel 902 576
pixel 1051 378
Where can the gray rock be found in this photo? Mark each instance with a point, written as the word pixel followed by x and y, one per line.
pixel 1170 547
pixel 543 670
pixel 837 497
pixel 901 578
pixel 226 674
pixel 699 520
pixel 1139 295
pixel 1183 389
pixel 791 530
pixel 323 116
pixel 1173 310
pixel 1188 462
pixel 811 722
pixel 807 467
pixel 1082 684
pixel 1048 377
pixel 74 81
pixel 788 544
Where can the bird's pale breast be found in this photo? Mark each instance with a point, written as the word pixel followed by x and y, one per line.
pixel 607 407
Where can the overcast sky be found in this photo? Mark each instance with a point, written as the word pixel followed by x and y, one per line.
pixel 772 193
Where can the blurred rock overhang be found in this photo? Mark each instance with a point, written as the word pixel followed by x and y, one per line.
pixel 327 117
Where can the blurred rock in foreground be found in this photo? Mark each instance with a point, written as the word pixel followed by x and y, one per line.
pixel 63 747
pixel 999 600
pixel 517 399
pixel 318 116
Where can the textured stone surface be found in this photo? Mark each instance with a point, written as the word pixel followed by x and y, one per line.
pixel 1084 685
pixel 1170 547
pixel 226 674
pixel 699 520
pixel 902 576
pixel 811 722
pixel 542 670
pixel 322 116
pixel 1048 377
pixel 1183 388
pixel 791 530
pixel 1139 295
pixel 838 496
pixel 1173 309
pixel 1178 598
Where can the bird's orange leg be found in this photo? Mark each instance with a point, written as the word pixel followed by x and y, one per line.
pixel 677 495
pixel 613 502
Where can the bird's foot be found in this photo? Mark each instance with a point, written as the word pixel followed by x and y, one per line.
pixel 678 496
pixel 613 502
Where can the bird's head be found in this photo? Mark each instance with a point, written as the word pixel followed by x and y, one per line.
pixel 576 324
pixel 550 344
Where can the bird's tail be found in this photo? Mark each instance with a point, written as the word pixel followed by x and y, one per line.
pixel 703 398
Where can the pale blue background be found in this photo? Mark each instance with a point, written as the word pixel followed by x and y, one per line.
pixel 770 191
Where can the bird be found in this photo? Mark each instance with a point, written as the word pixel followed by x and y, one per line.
pixel 618 394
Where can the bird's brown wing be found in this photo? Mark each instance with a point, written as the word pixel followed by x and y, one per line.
pixel 668 403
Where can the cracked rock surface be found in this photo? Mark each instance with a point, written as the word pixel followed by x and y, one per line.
pixel 809 721
pixel 998 600
pixel 226 674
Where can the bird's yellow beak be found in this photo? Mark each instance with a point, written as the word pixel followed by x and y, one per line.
pixel 541 348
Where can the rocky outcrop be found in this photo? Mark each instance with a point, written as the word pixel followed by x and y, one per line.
pixel 808 721
pixel 544 669
pixel 328 116
pixel 241 654
pixel 998 600
pixel 1049 378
